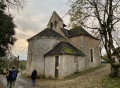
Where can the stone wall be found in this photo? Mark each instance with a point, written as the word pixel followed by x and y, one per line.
pixel 81 64
pixel 78 42
pixel 50 66
pixel 85 43
pixel 30 58
pixel 68 64
pixel 93 44
pixel 39 47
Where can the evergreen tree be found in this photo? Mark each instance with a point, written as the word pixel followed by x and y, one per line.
pixel 7 32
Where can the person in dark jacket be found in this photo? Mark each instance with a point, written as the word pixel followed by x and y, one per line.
pixel 12 76
pixel 34 76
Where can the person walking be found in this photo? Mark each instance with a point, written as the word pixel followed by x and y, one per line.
pixel 12 76
pixel 34 76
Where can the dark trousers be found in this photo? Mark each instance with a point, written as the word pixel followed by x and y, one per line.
pixel 12 83
pixel 33 80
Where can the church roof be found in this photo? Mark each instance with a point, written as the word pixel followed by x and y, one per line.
pixel 76 32
pixel 48 33
pixel 65 48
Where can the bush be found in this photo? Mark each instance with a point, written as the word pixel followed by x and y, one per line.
pixel 1 71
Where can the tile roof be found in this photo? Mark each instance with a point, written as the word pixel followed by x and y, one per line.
pixel 48 33
pixel 65 48
pixel 76 32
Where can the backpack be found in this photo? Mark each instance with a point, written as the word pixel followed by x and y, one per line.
pixel 14 74
pixel 7 74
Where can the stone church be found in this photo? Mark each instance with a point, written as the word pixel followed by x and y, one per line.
pixel 58 52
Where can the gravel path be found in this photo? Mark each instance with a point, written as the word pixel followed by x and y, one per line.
pixel 90 80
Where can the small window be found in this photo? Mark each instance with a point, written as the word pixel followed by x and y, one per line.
pixel 91 55
pixel 55 23
pixel 51 25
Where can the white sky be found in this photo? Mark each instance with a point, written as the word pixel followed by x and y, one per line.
pixel 33 18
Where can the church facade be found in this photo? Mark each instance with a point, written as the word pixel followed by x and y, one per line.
pixel 58 52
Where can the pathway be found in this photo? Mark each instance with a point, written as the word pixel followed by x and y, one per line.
pixel 20 83
pixel 89 80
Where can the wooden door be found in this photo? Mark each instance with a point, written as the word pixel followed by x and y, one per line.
pixel 56 66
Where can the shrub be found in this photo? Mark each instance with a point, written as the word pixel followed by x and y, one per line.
pixel 1 71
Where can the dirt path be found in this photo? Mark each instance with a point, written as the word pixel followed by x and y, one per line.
pixel 90 80
pixel 1 85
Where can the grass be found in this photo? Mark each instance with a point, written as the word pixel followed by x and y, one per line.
pixel 77 74
pixel 110 82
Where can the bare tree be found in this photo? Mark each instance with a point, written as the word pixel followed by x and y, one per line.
pixel 116 37
pixel 13 4
pixel 105 16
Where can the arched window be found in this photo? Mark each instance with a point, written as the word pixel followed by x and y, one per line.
pixel 51 25
pixel 55 23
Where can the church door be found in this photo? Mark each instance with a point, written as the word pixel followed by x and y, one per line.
pixel 56 66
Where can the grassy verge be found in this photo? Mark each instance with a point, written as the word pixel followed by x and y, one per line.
pixel 110 82
pixel 76 74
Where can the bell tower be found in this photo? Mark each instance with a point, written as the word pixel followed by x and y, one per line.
pixel 55 23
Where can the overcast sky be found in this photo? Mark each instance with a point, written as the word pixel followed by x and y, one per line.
pixel 33 18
